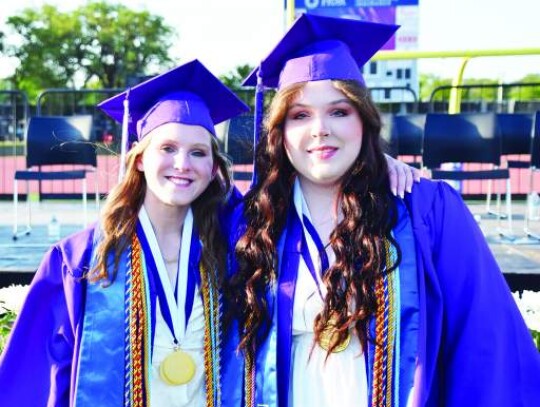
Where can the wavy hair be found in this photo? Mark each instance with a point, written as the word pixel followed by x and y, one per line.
pixel 357 241
pixel 121 210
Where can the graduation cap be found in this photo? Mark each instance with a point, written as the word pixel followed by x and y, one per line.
pixel 188 94
pixel 317 48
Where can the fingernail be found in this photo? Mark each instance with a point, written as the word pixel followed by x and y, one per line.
pixel 394 191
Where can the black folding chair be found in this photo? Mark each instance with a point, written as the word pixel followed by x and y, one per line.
pixel 409 133
pixel 52 141
pixel 388 136
pixel 535 166
pixel 466 138
pixel 516 134
pixel 238 144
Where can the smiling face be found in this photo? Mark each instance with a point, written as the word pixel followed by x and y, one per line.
pixel 178 165
pixel 322 133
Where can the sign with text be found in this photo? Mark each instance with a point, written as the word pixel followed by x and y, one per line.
pixel 401 12
pixel 314 4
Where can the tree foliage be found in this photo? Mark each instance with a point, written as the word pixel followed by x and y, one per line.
pixel 526 92
pixel 429 82
pixel 98 41
pixel 234 81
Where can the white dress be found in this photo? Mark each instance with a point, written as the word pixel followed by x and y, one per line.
pixel 191 394
pixel 190 337
pixel 316 381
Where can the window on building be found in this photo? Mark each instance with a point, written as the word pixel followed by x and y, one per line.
pixel 373 68
pixel 399 73
pixel 387 93
pixel 408 73
pixel 388 73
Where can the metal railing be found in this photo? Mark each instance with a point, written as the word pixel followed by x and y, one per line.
pixel 498 98
pixel 408 103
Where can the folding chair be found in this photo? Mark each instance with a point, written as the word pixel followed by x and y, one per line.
pixel 466 138
pixel 409 132
pixel 238 144
pixel 388 137
pixel 516 134
pixel 52 141
pixel 535 166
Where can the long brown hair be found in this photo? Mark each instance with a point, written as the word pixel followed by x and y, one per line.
pixel 121 210
pixel 358 241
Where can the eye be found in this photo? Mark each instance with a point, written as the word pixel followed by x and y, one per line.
pixel 168 148
pixel 339 112
pixel 298 115
pixel 199 153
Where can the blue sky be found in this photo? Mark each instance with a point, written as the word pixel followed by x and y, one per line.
pixel 227 33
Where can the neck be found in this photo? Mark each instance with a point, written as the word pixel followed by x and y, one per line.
pixel 320 199
pixel 322 202
pixel 166 220
pixel 167 225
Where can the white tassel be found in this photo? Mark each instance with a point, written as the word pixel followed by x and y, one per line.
pixel 125 139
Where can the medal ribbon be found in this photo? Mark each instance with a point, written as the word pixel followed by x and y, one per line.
pixel 193 277
pixel 299 203
pixel 320 249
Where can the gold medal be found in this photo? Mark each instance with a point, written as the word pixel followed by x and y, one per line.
pixel 177 368
pixel 329 336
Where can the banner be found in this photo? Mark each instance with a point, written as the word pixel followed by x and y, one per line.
pixel 315 4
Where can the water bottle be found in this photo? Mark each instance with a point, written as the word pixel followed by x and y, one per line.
pixel 53 229
pixel 533 204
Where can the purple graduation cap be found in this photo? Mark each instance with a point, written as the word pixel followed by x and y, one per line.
pixel 188 94
pixel 317 48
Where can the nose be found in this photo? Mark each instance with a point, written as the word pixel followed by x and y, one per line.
pixel 182 161
pixel 319 127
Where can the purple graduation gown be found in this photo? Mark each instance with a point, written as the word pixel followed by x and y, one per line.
pixel 37 367
pixel 39 364
pixel 474 349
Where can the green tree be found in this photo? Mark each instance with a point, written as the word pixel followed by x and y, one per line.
pixel 235 78
pixel 234 81
pixel 96 42
pixel 526 93
pixel 428 83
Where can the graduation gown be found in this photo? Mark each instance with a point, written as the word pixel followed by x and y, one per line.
pixel 38 365
pixel 466 346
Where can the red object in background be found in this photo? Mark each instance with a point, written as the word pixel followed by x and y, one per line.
pixel 108 138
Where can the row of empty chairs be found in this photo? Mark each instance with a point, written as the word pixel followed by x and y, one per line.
pixel 433 140
pixel 52 143
pixel 430 139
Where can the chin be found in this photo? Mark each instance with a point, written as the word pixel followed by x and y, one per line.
pixel 325 179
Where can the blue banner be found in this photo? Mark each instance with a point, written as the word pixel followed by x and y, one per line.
pixel 318 4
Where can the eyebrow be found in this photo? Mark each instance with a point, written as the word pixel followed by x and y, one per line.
pixel 194 145
pixel 334 102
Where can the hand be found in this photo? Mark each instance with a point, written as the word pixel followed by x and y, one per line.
pixel 402 176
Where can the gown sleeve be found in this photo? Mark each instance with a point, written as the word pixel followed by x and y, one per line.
pixel 36 367
pixel 479 350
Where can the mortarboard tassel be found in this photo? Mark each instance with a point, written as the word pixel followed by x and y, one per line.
pixel 125 138
pixel 259 114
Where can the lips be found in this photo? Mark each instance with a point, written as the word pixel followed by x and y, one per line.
pixel 180 181
pixel 323 151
